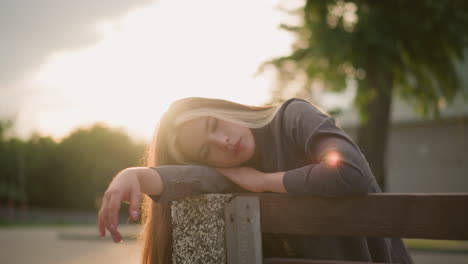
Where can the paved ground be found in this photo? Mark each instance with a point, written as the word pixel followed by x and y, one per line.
pixel 65 245
pixel 76 245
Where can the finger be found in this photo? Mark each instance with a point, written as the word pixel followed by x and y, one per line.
pixel 102 218
pixel 101 227
pixel 101 224
pixel 135 199
pixel 112 216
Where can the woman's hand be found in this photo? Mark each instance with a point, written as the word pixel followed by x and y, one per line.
pixel 125 187
pixel 254 180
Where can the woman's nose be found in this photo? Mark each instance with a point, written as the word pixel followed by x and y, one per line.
pixel 222 141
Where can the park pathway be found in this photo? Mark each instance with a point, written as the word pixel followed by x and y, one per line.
pixel 77 245
pixel 65 245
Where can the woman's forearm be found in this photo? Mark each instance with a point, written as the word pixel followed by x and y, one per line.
pixel 255 181
pixel 152 184
pixel 274 182
pixel 149 179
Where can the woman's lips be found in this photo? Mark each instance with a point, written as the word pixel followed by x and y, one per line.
pixel 237 146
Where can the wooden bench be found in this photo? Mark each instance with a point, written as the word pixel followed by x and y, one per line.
pixel 247 216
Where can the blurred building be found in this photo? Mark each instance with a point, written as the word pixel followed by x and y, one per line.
pixel 424 155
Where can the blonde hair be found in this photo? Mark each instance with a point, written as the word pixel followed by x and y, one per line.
pixel 163 150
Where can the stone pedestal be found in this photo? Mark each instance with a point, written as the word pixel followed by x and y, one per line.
pixel 198 229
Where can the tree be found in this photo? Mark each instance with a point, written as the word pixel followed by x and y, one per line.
pixel 72 173
pixel 88 159
pixel 12 187
pixel 408 48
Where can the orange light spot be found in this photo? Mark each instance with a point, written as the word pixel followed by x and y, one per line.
pixel 333 158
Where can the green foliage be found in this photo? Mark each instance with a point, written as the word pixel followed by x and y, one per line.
pixel 416 43
pixel 72 173
pixel 4 126
pixel 10 152
pixel 95 154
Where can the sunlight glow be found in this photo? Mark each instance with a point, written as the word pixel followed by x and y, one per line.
pixel 333 159
pixel 155 55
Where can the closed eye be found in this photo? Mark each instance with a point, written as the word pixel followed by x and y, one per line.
pixel 214 124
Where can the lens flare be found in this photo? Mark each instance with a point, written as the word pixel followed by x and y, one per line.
pixel 333 158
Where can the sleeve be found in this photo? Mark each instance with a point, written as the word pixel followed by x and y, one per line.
pixel 336 165
pixel 180 181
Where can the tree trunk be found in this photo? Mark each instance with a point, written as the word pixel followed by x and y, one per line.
pixel 372 133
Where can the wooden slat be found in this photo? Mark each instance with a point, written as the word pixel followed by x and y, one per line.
pixel 243 234
pixel 427 216
pixel 309 261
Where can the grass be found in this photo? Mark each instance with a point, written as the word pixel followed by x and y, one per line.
pixel 437 245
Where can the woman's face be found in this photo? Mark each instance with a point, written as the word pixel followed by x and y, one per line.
pixel 217 143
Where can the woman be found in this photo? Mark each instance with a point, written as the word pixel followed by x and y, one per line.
pixel 207 145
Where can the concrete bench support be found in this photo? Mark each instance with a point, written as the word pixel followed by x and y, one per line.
pixel 216 229
pixel 198 229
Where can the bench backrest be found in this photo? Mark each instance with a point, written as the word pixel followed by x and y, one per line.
pixel 215 228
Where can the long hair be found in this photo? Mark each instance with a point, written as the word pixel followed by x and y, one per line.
pixel 156 216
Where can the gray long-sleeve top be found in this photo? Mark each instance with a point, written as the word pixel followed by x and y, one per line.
pixel 299 141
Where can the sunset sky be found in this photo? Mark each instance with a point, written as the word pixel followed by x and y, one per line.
pixel 72 63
